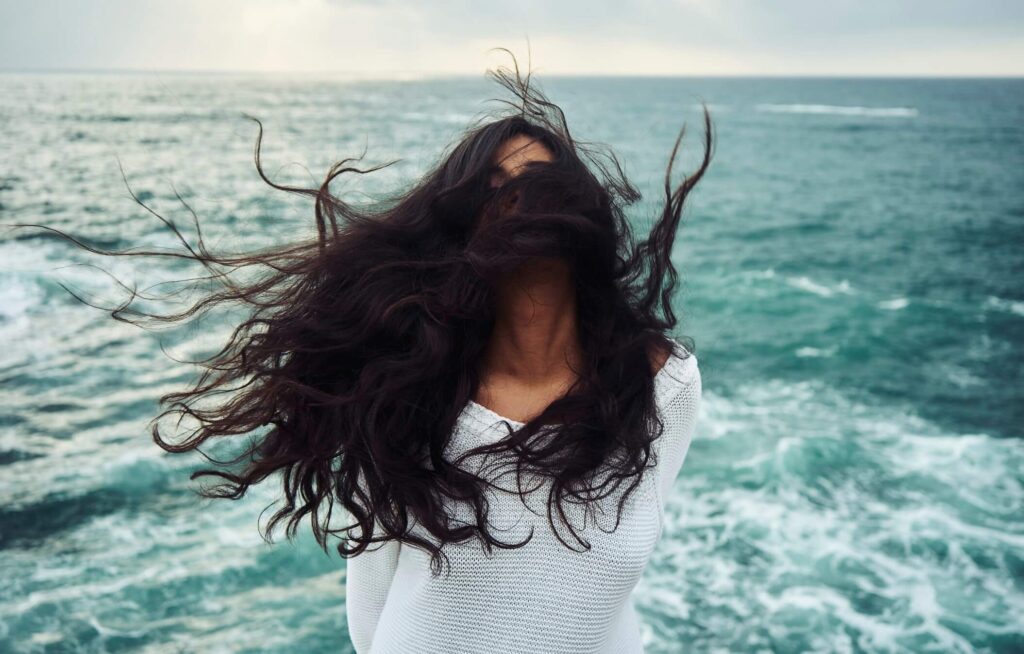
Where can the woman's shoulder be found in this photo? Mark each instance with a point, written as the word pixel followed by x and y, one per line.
pixel 678 391
pixel 677 368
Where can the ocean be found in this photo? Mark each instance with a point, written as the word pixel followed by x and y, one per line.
pixel 850 270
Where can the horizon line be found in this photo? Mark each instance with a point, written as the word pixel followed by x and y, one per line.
pixel 405 75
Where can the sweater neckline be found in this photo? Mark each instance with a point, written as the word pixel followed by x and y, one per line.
pixel 487 416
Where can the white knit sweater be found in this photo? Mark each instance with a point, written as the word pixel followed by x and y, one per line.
pixel 542 597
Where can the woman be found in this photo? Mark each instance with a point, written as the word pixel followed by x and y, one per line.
pixel 478 370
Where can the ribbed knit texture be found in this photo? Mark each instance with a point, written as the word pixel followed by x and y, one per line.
pixel 543 597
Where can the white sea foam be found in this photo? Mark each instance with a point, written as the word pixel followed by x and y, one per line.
pixel 845 493
pixel 815 352
pixel 805 283
pixel 894 304
pixel 17 296
pixel 1000 304
pixel 840 110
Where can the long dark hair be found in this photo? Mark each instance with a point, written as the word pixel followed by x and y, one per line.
pixel 359 347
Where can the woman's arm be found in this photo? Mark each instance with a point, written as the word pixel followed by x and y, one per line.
pixel 368 579
pixel 680 408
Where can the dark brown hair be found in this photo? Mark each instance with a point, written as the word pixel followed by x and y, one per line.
pixel 358 349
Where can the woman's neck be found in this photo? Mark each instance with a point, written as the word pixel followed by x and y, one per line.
pixel 535 340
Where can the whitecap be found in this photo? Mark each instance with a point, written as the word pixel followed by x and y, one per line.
pixel 840 110
pixel 846 499
pixel 17 297
pixel 815 352
pixel 805 283
pixel 894 304
pixel 1011 306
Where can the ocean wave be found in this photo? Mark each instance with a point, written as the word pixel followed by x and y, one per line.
pixel 802 282
pixel 840 110
pixel 805 283
pixel 885 518
pixel 1015 307
pixel 815 352
pixel 17 297
pixel 894 304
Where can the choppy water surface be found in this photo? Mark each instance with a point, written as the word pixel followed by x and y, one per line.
pixel 851 272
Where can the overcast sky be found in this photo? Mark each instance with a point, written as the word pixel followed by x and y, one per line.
pixel 643 37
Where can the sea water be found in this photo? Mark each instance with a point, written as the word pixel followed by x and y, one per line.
pixel 850 270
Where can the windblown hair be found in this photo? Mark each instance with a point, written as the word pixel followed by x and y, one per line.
pixel 360 347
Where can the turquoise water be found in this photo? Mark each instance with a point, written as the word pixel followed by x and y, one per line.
pixel 851 273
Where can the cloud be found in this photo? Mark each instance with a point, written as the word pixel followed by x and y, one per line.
pixel 570 36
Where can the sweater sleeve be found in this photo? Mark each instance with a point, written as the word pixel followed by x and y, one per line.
pixel 680 410
pixel 367 581
pixel 368 577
